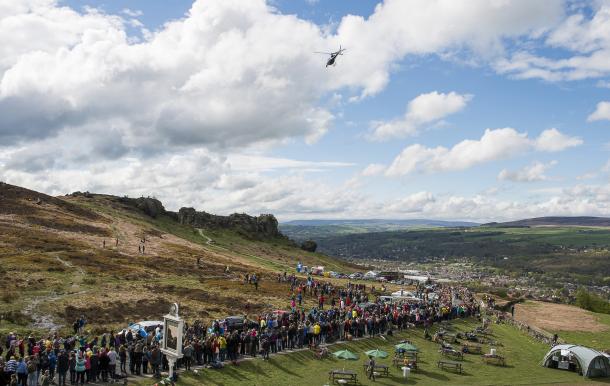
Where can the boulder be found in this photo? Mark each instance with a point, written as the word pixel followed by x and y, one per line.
pixel 151 206
pixel 309 246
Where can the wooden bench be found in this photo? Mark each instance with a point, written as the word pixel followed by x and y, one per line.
pixel 497 359
pixel 444 364
pixel 382 370
pixel 343 375
pixel 452 353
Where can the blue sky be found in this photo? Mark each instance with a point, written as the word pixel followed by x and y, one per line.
pixel 499 111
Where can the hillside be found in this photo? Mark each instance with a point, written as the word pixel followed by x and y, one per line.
pixel 555 221
pixel 79 254
pixel 301 230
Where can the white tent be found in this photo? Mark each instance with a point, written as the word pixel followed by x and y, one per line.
pixel 370 275
pixel 591 363
pixel 403 293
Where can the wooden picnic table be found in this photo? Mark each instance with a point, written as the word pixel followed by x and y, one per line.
pixel 444 363
pixel 409 354
pixel 346 375
pixel 399 363
pixel 498 359
pixel 449 352
pixel 472 348
pixel 383 370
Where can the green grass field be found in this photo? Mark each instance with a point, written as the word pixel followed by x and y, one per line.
pixel 600 341
pixel 522 353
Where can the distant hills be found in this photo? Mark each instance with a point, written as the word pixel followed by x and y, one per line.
pixel 554 221
pixel 379 222
pixel 301 230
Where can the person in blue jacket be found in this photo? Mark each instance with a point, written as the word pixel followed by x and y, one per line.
pixel 52 364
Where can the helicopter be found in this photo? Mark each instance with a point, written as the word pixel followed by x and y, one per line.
pixel 333 56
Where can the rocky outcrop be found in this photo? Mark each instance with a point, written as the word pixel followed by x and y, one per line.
pixel 150 206
pixel 263 226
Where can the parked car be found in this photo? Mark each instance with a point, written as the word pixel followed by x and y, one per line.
pixel 239 323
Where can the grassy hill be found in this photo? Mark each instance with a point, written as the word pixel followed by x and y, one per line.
pixel 66 256
pixel 523 356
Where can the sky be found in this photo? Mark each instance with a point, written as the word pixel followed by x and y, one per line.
pixel 494 111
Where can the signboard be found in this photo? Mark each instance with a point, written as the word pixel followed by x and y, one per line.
pixel 172 337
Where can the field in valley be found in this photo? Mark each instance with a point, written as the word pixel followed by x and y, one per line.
pixel 580 253
pixel 572 324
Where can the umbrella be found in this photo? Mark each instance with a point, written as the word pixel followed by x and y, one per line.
pixel 377 353
pixel 405 347
pixel 345 354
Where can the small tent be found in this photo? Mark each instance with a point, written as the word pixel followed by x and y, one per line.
pixel 590 363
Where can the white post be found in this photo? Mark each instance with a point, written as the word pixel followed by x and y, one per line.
pixel 172 362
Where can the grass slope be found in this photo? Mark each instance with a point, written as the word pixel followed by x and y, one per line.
pixel 523 365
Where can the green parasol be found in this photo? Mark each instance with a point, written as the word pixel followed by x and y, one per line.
pixel 405 347
pixel 377 353
pixel 345 354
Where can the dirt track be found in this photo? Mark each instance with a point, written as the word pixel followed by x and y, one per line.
pixel 557 317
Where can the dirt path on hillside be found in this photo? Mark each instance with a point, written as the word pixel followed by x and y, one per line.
pixel 33 309
pixel 557 317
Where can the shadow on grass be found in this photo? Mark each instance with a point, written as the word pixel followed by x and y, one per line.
pixel 282 368
pixel 433 375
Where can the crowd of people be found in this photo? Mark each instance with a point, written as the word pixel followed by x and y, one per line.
pixel 351 312
pixel 78 359
pixel 342 313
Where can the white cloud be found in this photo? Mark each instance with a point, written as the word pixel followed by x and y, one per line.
pixel 414 203
pixel 586 176
pixel 132 12
pixel 584 45
pixel 230 73
pixel 398 28
pixel 86 106
pixel 373 170
pixel 530 173
pixel 422 110
pixel 552 140
pixel 259 163
pixel 602 112
pixel 494 145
